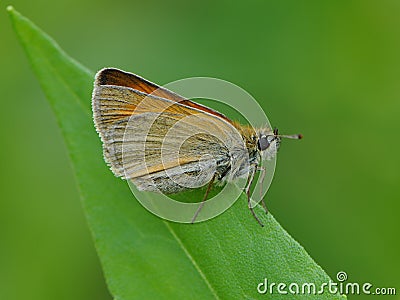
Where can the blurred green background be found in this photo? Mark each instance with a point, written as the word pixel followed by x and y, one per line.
pixel 327 69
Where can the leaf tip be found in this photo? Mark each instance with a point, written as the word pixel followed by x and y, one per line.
pixel 12 12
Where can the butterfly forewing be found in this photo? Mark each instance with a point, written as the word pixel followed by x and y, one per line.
pixel 112 76
pixel 161 144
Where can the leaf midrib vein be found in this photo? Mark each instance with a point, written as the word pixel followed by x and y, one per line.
pixel 192 260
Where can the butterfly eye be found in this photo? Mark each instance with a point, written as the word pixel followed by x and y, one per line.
pixel 263 143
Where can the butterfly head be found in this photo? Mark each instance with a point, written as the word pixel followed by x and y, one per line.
pixel 268 142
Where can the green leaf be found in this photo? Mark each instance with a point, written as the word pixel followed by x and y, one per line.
pixel 142 255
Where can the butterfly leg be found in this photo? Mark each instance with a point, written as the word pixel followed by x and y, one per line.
pixel 249 182
pixel 262 177
pixel 204 199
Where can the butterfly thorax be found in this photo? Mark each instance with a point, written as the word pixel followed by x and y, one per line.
pixel 249 136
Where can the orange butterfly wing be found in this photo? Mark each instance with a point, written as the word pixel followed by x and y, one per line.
pixel 112 76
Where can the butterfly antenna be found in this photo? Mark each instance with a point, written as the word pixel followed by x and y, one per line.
pixel 291 136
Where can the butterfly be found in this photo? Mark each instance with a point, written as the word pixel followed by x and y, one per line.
pixel 165 143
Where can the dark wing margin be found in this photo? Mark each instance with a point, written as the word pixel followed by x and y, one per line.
pixel 112 76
